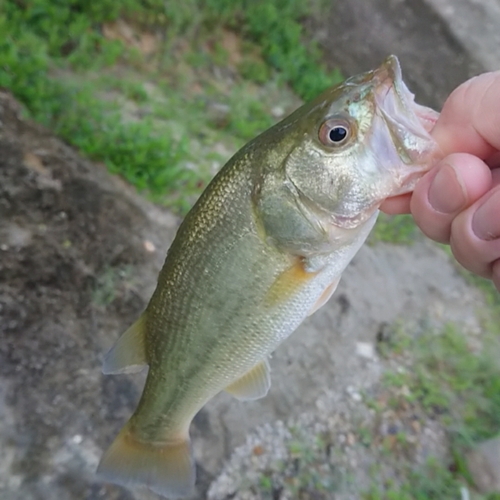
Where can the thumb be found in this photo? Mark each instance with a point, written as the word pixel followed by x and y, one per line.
pixel 470 119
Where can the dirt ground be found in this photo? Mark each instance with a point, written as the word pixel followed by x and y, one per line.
pixel 72 244
pixel 79 256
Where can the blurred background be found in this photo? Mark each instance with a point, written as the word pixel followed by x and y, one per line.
pixel 389 392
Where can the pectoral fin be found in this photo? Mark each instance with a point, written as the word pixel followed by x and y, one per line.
pixel 289 283
pixel 128 355
pixel 325 296
pixel 254 384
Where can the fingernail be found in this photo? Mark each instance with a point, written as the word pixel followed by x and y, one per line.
pixel 446 194
pixel 486 220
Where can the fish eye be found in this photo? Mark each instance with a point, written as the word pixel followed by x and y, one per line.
pixel 335 132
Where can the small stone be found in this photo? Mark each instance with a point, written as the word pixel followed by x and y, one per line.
pixel 77 439
pixel 405 391
pixel 392 429
pixel 365 350
pixel 411 439
pixel 484 466
pixel 148 43
pixel 34 162
pixel 258 450
pixel 356 396
pixel 416 426
pixel 149 246
pixel 218 112
pixel 277 111
pixel 351 439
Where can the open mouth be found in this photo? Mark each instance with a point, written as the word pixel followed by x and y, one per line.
pixel 405 117
pixel 409 124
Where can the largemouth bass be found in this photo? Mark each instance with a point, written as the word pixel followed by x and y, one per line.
pixel 263 248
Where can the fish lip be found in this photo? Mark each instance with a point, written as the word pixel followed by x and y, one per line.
pixel 409 123
pixel 390 70
pixel 396 102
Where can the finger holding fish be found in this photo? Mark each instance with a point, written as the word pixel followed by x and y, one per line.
pixel 452 186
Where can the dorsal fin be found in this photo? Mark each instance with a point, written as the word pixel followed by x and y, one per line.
pixel 254 384
pixel 128 355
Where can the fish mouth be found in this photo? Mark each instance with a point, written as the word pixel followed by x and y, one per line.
pixel 394 98
pixel 398 103
pixel 409 124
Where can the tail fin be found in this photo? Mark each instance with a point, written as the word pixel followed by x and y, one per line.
pixel 167 469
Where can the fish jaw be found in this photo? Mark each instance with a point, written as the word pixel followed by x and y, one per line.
pixel 409 125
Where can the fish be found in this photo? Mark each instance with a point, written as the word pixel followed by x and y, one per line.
pixel 263 248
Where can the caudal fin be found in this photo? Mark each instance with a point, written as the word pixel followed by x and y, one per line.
pixel 167 469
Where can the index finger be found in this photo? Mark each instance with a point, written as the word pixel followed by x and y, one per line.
pixel 470 119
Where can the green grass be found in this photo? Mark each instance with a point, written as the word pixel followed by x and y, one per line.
pixel 133 149
pixel 306 472
pixel 445 381
pixel 398 229
pixel 33 57
pixel 52 51
pixel 109 284
pixel 275 27
pixel 491 315
pixel 453 384
pixel 430 481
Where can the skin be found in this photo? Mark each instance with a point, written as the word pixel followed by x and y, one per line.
pixel 458 201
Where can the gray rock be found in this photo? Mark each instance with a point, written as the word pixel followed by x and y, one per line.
pixel 474 23
pixel 484 466
pixel 357 35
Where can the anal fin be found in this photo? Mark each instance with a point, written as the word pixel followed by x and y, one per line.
pixel 254 384
pixel 167 468
pixel 128 355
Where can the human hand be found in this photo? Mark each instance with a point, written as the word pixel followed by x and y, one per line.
pixel 458 201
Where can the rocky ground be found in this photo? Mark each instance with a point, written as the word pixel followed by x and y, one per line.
pixel 79 255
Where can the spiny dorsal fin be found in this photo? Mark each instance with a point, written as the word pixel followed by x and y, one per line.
pixel 128 355
pixel 167 468
pixel 254 384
